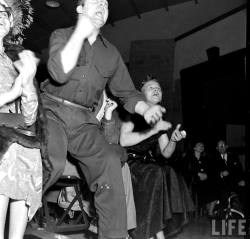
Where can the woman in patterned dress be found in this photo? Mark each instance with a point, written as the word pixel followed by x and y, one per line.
pixel 20 167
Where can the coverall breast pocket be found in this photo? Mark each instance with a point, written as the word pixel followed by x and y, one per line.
pixel 103 71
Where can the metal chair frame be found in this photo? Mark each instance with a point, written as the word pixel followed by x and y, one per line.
pixel 59 226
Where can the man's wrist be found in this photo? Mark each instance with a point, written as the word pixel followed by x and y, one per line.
pixel 80 29
pixel 108 122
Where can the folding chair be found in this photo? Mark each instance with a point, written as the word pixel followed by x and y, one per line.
pixel 63 223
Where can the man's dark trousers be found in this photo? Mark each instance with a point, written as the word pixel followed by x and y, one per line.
pixel 78 132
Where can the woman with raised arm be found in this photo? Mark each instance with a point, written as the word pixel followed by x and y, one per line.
pixel 160 194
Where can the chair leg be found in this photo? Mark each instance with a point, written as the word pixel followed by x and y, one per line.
pixel 83 213
pixel 79 223
pixel 49 224
pixel 66 212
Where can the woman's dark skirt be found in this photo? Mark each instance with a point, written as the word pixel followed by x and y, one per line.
pixel 162 199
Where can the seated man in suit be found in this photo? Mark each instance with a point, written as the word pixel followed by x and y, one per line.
pixel 229 171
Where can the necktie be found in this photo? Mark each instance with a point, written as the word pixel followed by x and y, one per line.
pixel 224 158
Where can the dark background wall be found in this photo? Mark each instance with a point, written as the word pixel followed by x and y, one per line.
pixel 214 96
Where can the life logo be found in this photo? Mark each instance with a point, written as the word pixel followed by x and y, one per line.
pixel 229 227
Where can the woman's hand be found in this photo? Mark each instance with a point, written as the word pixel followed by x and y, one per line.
pixel 241 183
pixel 162 126
pixel 202 176
pixel 109 108
pixel 27 66
pixel 178 135
pixel 224 173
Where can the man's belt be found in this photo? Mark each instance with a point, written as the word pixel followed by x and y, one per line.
pixel 68 103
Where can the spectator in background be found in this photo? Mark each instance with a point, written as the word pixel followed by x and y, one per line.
pixel 198 173
pixel 229 171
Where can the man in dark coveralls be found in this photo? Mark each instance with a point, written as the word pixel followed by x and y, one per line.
pixel 81 63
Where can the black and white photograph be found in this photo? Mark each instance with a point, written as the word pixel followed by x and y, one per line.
pixel 124 119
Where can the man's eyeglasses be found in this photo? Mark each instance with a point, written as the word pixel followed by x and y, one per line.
pixel 5 14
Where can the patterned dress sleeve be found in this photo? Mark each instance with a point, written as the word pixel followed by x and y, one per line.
pixel 29 104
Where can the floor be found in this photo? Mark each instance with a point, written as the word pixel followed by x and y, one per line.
pixel 200 228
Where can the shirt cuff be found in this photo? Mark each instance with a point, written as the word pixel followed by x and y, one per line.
pixel 55 68
pixel 108 122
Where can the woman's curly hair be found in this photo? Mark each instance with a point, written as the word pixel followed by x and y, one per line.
pixel 21 12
